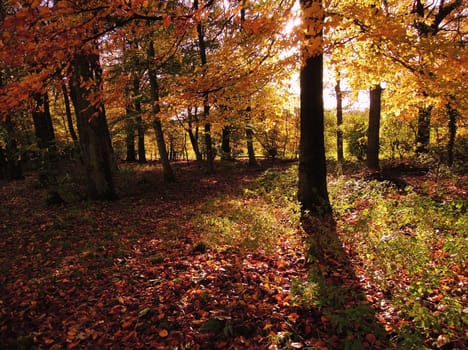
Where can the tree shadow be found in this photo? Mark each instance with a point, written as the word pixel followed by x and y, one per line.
pixel 349 320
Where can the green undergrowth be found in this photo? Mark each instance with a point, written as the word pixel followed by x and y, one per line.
pixel 263 213
pixel 409 245
pixel 413 248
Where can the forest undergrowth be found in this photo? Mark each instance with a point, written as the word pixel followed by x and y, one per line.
pixel 225 261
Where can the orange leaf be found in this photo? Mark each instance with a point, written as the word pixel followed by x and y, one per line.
pixel 163 333
pixel 127 323
pixel 167 21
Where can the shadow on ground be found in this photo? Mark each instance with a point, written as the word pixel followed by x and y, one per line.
pixel 348 320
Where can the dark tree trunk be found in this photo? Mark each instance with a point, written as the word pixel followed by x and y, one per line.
pixel 249 135
pixel 312 187
pixel 423 135
pixel 14 170
pixel 208 142
pixel 157 125
pixel 10 165
pixel 130 137
pixel 373 130
pixel 3 164
pixel 453 115
pixel 44 130
pixel 206 106
pixel 226 144
pixel 139 122
pixel 95 142
pixel 339 122
pixel 141 140
pixel 194 141
pixel 68 113
pixel 45 138
pixel 194 135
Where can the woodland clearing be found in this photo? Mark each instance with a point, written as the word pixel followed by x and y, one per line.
pixel 222 261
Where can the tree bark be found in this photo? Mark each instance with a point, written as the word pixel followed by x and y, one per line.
pixel 249 134
pixel 130 137
pixel 157 125
pixel 453 115
pixel 226 144
pixel 373 130
pixel 44 130
pixel 95 142
pixel 206 106
pixel 339 122
pixel 13 168
pixel 3 164
pixel 45 138
pixel 312 189
pixel 139 122
pixel 423 135
pixel 194 135
pixel 68 113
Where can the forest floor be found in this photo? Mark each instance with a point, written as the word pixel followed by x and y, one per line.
pixel 222 261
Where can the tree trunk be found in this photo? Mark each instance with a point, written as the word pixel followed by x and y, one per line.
pixel 423 135
pixel 3 164
pixel 209 144
pixel 130 137
pixel 312 189
pixel 226 144
pixel 44 130
pixel 139 122
pixel 157 126
pixel 453 115
pixel 10 162
pixel 45 138
pixel 96 146
pixel 373 130
pixel 206 106
pixel 68 113
pixel 249 134
pixel 339 122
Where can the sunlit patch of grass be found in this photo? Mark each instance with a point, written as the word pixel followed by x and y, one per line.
pixel 242 223
pixel 262 215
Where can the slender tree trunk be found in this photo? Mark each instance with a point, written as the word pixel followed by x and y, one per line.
pixel 68 113
pixel 14 170
pixel 249 134
pixel 45 138
pixel 226 144
pixel 208 142
pixel 312 189
pixel 139 122
pixel 194 135
pixel 130 137
pixel 206 106
pixel 96 146
pixel 3 164
pixel 157 125
pixel 453 115
pixel 339 122
pixel 194 142
pixel 373 131
pixel 423 135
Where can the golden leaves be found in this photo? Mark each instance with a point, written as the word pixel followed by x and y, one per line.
pixel 312 28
